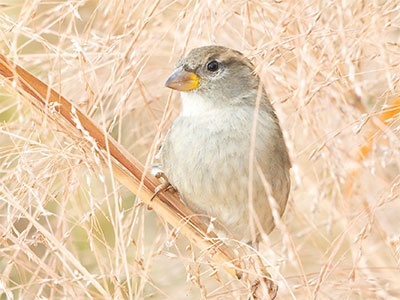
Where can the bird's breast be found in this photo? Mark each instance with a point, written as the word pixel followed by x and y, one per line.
pixel 206 157
pixel 206 148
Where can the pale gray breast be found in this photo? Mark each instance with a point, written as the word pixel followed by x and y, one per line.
pixel 206 157
pixel 200 149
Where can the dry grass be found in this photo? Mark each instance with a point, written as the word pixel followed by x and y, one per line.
pixel 331 70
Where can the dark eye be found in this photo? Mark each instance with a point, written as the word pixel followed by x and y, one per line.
pixel 213 66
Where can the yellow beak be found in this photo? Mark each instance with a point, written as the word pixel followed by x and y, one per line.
pixel 182 80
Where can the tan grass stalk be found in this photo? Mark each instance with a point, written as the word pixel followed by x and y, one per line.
pixel 128 170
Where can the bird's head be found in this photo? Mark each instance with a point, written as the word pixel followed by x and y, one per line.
pixel 215 72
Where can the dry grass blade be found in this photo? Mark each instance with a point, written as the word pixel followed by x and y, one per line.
pixel 126 168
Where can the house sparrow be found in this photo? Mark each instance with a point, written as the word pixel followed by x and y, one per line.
pixel 206 152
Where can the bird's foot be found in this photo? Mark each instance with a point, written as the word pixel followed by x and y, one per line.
pixel 157 172
pixel 165 185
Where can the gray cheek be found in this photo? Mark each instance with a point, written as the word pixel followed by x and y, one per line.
pixel 237 81
pixel 236 87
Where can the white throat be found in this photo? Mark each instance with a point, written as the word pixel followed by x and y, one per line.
pixel 193 104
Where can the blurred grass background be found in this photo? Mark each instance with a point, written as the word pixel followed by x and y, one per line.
pixel 331 69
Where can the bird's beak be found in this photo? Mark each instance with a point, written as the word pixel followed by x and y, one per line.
pixel 182 80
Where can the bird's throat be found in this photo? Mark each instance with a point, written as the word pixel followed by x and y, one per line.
pixel 194 104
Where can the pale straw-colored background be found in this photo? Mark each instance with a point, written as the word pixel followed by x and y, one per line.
pixel 330 68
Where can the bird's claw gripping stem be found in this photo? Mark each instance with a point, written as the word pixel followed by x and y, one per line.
pixel 164 186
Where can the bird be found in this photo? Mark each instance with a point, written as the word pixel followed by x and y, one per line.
pixel 206 152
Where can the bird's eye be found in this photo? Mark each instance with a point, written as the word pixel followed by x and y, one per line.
pixel 213 66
